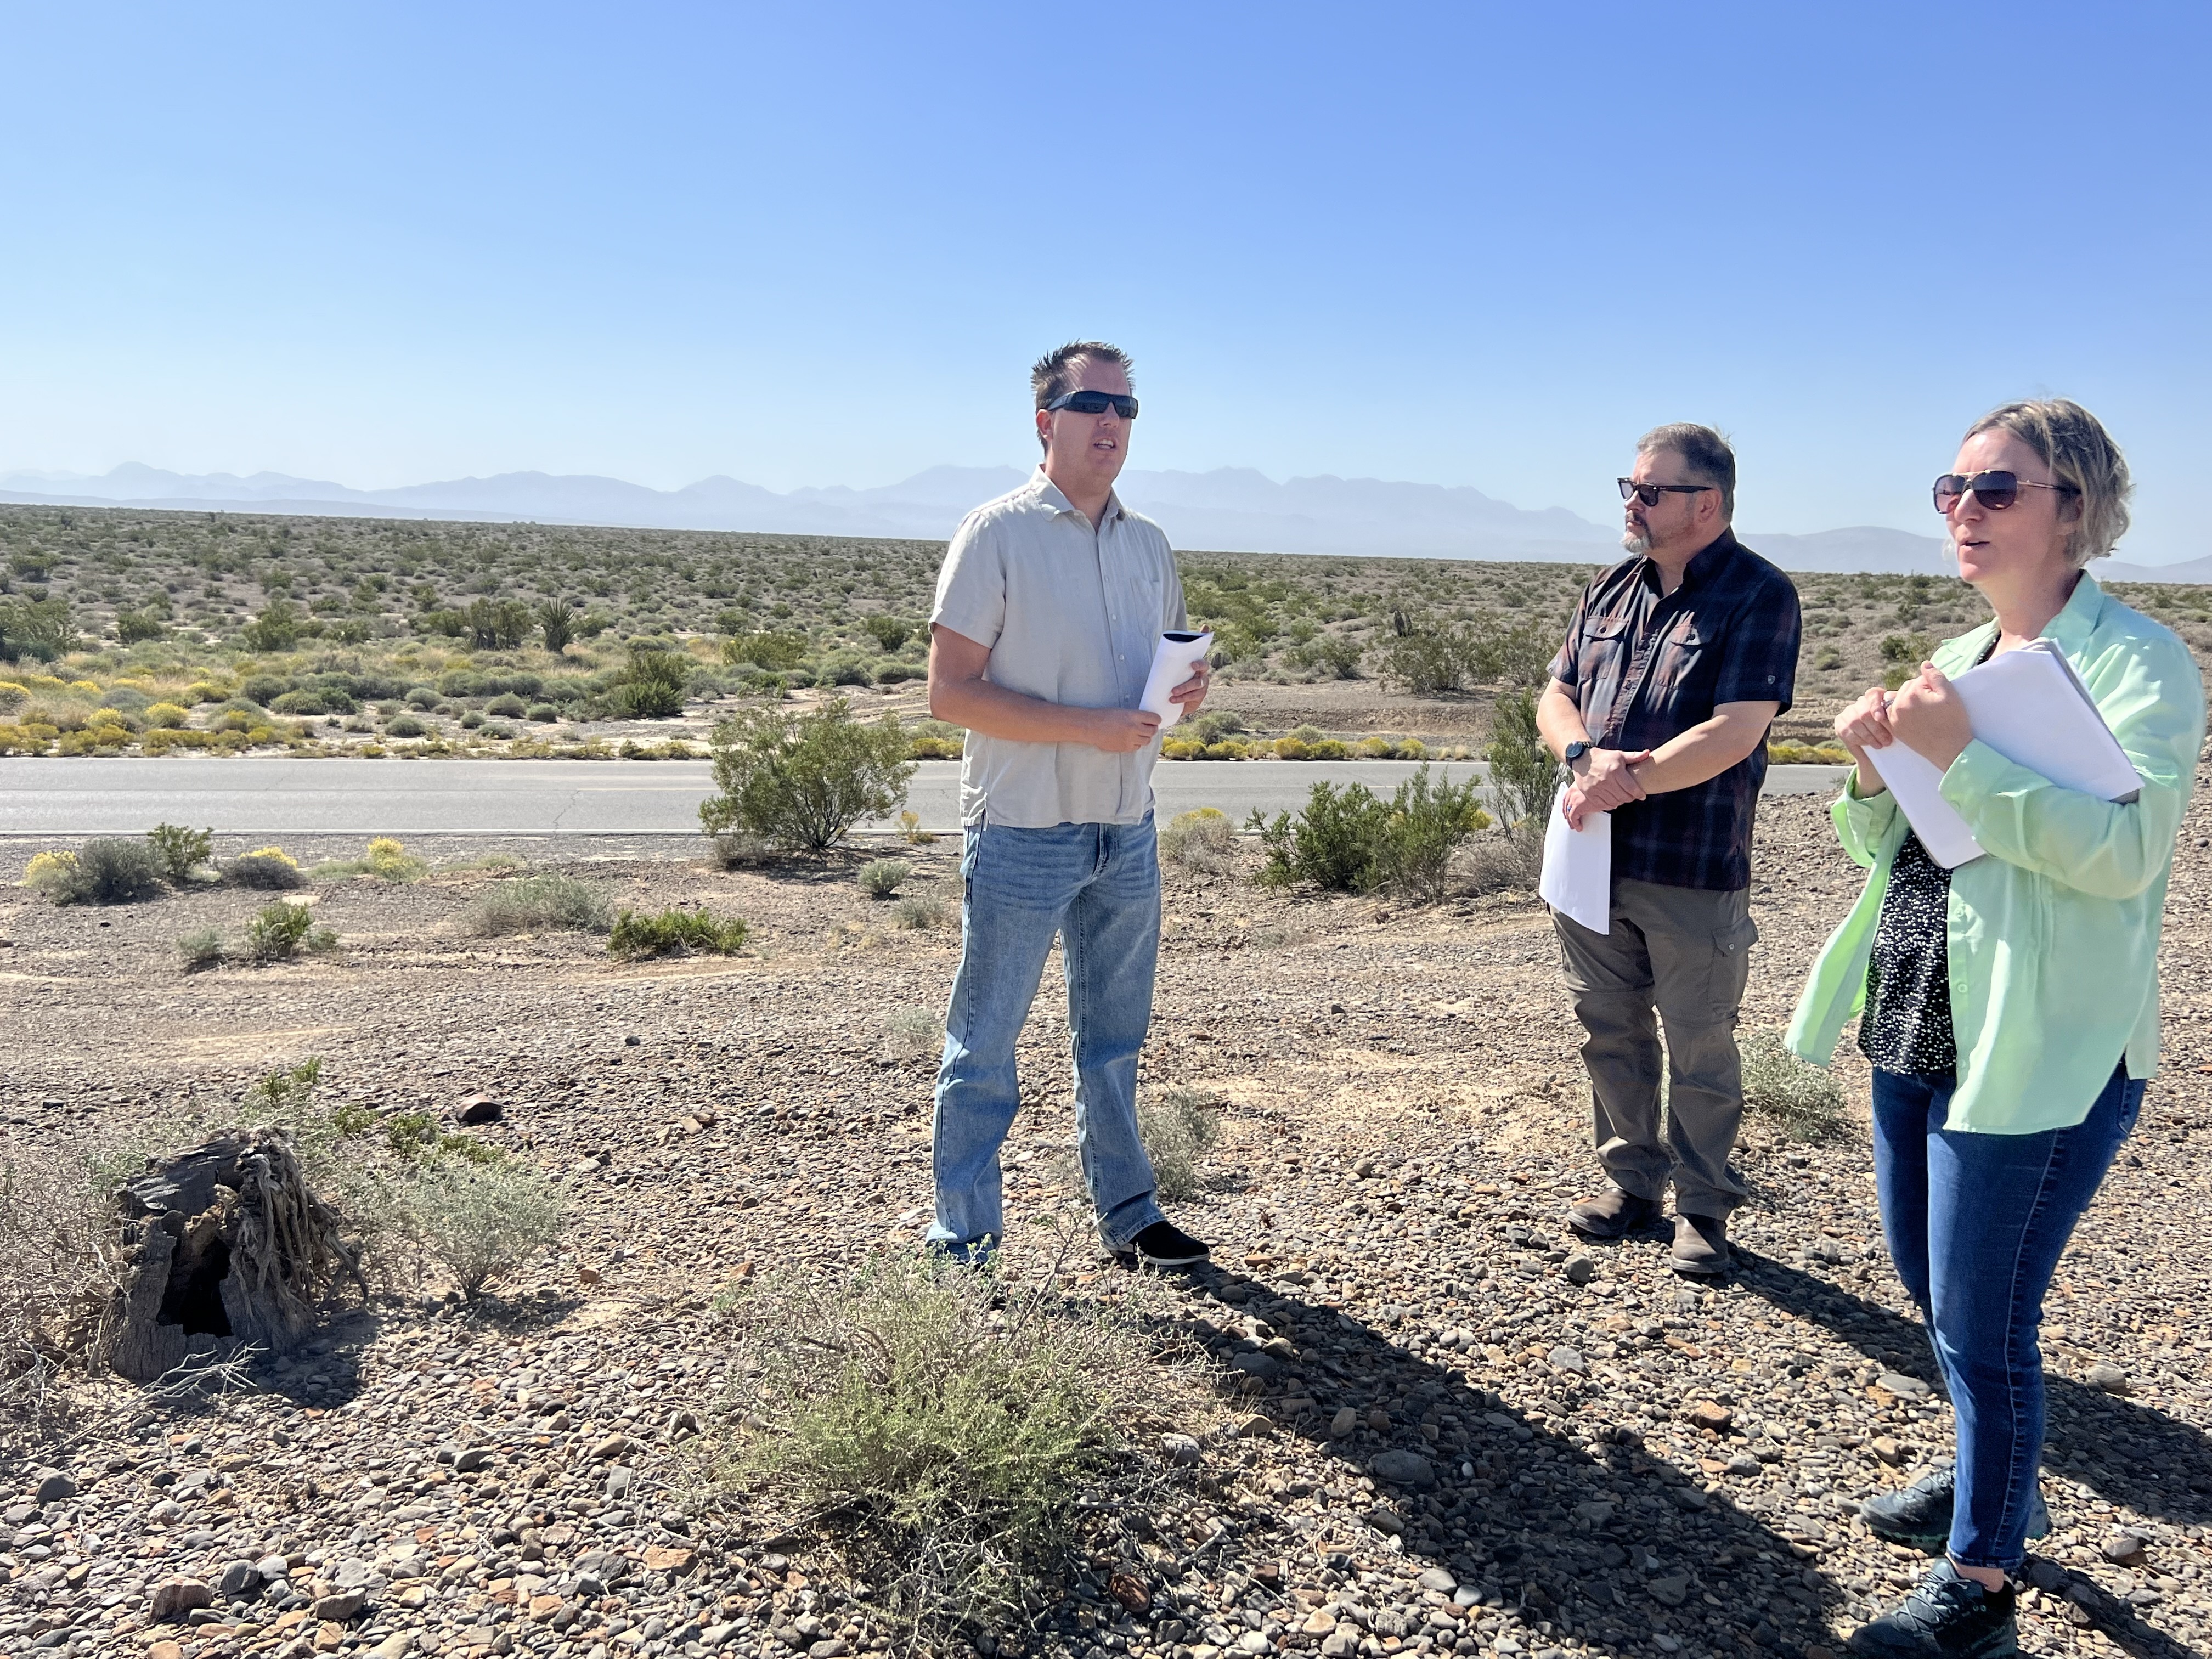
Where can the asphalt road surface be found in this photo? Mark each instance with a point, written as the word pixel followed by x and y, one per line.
pixel 249 796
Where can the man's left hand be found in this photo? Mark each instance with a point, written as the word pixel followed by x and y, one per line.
pixel 1930 718
pixel 1192 692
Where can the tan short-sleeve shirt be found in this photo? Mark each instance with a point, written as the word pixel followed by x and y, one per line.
pixel 1071 615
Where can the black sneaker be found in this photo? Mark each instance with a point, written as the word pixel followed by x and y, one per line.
pixel 1162 1244
pixel 1920 1514
pixel 1949 1616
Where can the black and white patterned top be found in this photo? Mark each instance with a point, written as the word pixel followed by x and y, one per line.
pixel 1907 1027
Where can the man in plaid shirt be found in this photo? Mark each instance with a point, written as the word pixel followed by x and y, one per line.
pixel 1677 661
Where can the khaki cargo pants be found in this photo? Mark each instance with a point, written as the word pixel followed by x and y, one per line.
pixel 1683 953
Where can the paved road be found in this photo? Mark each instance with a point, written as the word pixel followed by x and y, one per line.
pixel 248 796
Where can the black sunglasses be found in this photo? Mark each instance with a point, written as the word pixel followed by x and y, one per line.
pixel 1095 403
pixel 1996 490
pixel 1649 494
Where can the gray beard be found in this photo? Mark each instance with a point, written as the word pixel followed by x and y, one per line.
pixel 1635 544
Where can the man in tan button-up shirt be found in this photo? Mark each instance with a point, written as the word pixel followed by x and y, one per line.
pixel 1050 604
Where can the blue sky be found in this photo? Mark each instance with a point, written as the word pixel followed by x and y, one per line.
pixel 820 243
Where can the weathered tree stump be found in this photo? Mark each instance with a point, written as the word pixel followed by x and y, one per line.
pixel 227 1248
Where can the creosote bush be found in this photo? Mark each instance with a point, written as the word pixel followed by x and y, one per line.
pixel 280 929
pixel 673 933
pixel 1178 1130
pixel 265 867
pixel 180 851
pixel 1202 842
pixel 539 904
pixel 1524 778
pixel 109 871
pixel 480 1218
pixel 802 781
pixel 1805 1101
pixel 880 877
pixel 939 1431
pixel 1348 840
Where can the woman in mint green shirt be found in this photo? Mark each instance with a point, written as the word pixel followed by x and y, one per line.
pixel 2009 1005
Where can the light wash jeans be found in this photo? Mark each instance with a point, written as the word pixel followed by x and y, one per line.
pixel 1097 885
pixel 1976 1224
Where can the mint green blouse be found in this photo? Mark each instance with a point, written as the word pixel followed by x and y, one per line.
pixel 2054 935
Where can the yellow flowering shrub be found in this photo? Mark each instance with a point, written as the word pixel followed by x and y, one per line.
pixel 168 713
pixel 49 870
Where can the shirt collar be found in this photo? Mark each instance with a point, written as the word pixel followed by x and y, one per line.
pixel 1049 493
pixel 1705 564
pixel 2076 620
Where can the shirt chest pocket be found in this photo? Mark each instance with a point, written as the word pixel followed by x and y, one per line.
pixel 1142 595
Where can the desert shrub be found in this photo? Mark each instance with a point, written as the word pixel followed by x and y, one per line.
pixel 650 686
pixel 544 713
pixel 36 630
pixel 201 948
pixel 1178 1130
pixel 108 870
pixel 1216 724
pixel 480 1220
pixel 280 929
pixel 890 632
pixel 912 1033
pixel 1203 841
pixel 924 747
pixel 947 1447
pixel 880 877
pixel 1349 840
pixel 912 833
pixel 1807 754
pixel 267 867
pixel 802 781
pixel 674 932
pixel 178 851
pixel 405 726
pixel 1524 778
pixel 1805 1101
pixel 169 715
pixel 387 859
pixel 508 707
pixel 556 621
pixel 767 649
pixel 48 872
pixel 1330 653
pixel 539 904
pixel 918 914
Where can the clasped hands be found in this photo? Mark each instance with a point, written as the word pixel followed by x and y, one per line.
pixel 1607 780
pixel 1926 714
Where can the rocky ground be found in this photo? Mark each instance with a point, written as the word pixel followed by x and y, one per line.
pixel 1440 1424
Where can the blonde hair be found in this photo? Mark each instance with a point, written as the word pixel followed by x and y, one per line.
pixel 2082 458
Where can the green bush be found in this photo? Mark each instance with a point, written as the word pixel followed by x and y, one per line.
pixel 481 1219
pixel 1524 778
pixel 508 707
pixel 201 948
pixel 180 851
pixel 267 867
pixel 948 1439
pixel 918 914
pixel 880 877
pixel 674 932
pixel 539 904
pixel 280 929
pixel 404 725
pixel 1203 841
pixel 767 649
pixel 1178 1130
pixel 1805 1101
pixel 137 627
pixel 651 686
pixel 802 781
pixel 888 632
pixel 108 870
pixel 1348 841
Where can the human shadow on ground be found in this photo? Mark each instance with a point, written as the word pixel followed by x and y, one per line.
pixel 2131 1453
pixel 1605 1541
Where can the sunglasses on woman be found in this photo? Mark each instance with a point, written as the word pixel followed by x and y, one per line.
pixel 1996 489
pixel 1096 403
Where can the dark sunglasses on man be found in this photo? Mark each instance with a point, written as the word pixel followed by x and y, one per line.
pixel 1649 494
pixel 1995 490
pixel 1095 403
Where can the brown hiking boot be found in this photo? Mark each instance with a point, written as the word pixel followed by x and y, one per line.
pixel 1612 1214
pixel 1701 1245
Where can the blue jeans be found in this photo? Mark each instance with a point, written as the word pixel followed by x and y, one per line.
pixel 1097 885
pixel 1975 1224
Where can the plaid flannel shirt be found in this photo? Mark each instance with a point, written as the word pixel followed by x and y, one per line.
pixel 1644 667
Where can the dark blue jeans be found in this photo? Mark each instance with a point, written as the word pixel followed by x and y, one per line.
pixel 1975 1224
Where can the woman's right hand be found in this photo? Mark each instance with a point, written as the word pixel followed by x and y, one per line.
pixel 1863 726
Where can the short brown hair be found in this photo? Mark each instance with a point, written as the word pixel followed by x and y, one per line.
pixel 2082 456
pixel 1703 452
pixel 1058 370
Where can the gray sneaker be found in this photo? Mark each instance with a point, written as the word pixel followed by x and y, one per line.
pixel 1920 1514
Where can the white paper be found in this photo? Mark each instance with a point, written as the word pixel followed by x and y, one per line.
pixel 1172 662
pixel 1577 878
pixel 2031 707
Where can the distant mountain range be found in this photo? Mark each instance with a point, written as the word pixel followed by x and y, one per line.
pixel 1231 509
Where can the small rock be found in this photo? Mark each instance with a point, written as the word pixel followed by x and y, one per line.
pixel 55 1487
pixel 273 1567
pixel 1257 1424
pixel 1905 1388
pixel 669 1558
pixel 166 1650
pixel 1179 1449
pixel 341 1605
pixel 1888 1450
pixel 1593 1512
pixel 2110 1379
pixel 1319 1622
pixel 1342 1645
pixel 1711 1414
pixel 833 1647
pixel 1260 1365
pixel 1253 1642
pixel 175 1597
pixel 1343 1423
pixel 474 1458
pixel 478 1108
pixel 2123 1549
pixel 1435 1578
pixel 1743 1463
pixel 1670 1591
pixel 2045 1574
pixel 394 1646
pixel 1405 1468
pixel 241 1581
pixel 1564 1359
pixel 613 1447
pixel 1689 1497
pixel 1579 1270
pixel 1385 1519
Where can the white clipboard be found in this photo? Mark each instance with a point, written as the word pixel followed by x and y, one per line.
pixel 1577 878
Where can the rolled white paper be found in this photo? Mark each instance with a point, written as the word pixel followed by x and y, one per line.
pixel 1178 653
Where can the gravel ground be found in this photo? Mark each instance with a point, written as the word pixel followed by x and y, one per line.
pixel 1441 1424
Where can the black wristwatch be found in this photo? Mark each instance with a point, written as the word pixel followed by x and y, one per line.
pixel 1575 751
